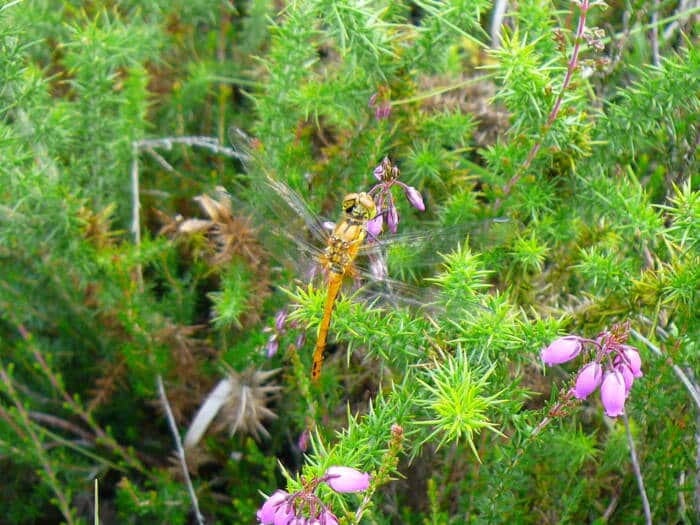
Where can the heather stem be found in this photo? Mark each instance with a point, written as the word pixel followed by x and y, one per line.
pixel 637 471
pixel 570 68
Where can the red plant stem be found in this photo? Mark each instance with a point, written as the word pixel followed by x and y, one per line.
pixel 584 6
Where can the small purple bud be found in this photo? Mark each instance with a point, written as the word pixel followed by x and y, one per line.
pixel 630 356
pixel 301 340
pixel 379 172
pixel 415 198
pixel 589 378
pixel 346 479
pixel 266 513
pixel 383 110
pixel 374 226
pixel 303 442
pixel 280 319
pixel 612 393
pixel 273 344
pixel 562 350
pixel 627 375
pixel 372 100
pixel 392 219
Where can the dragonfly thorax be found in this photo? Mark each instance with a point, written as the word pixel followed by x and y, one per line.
pixel 349 232
pixel 359 206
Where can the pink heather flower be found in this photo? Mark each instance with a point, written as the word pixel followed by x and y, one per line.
pixel 372 100
pixel 266 513
pixel 383 111
pixel 273 344
pixel 631 358
pixel 562 350
pixel 301 340
pixel 627 375
pixel 414 197
pixel 303 442
pixel 328 518
pixel 392 219
pixel 280 319
pixel 284 515
pixel 613 394
pixel 589 378
pixel 374 226
pixel 346 479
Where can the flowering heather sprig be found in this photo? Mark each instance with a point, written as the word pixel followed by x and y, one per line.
pixel 614 367
pixel 273 342
pixel 305 507
pixel 280 328
pixel 382 108
pixel 388 174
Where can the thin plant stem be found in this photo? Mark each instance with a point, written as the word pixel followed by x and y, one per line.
pixel 655 35
pixel 180 450
pixel 136 209
pixel 75 407
pixel 51 479
pixel 570 68
pixel 136 230
pixel 97 505
pixel 637 471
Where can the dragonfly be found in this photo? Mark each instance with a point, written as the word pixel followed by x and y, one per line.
pixel 338 257
pixel 351 236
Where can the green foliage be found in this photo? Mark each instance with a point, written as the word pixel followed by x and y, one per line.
pixel 561 197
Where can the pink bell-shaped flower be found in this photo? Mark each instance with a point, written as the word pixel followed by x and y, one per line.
pixel 392 219
pixel 562 350
pixel 627 375
pixel 613 393
pixel 284 515
pixel 374 226
pixel 328 518
pixel 414 197
pixel 589 378
pixel 630 357
pixel 346 479
pixel 266 513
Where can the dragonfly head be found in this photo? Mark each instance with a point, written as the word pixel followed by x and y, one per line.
pixel 359 206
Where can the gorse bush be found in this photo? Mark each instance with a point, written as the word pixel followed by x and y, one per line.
pixel 164 167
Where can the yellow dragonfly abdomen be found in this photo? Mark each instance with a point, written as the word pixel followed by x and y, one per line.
pixel 341 250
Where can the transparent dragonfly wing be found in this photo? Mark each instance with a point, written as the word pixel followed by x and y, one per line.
pixel 410 256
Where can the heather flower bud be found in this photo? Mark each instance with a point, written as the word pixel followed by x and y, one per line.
pixel 273 344
pixel 266 513
pixel 627 375
pixel 613 393
pixel 346 479
pixel 415 198
pixel 374 226
pixel 392 219
pixel 372 100
pixel 379 172
pixel 329 517
pixel 303 442
pixel 631 358
pixel 562 350
pixel 589 378
pixel 280 319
